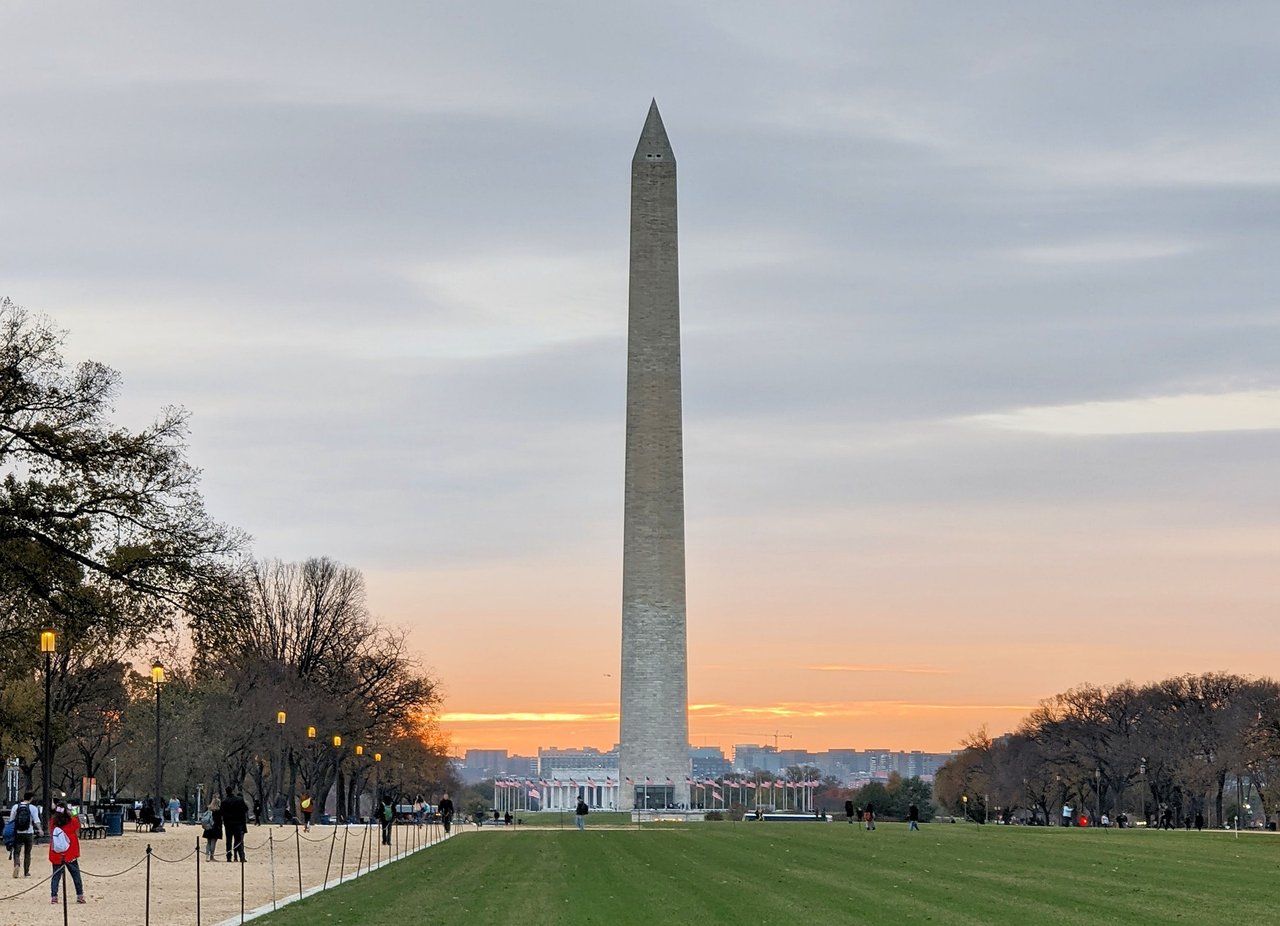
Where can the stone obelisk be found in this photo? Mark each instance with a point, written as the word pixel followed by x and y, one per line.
pixel 654 741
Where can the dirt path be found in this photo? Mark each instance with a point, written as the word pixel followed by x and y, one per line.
pixel 115 873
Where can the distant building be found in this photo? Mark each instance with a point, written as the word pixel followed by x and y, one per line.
pixel 552 759
pixel 708 762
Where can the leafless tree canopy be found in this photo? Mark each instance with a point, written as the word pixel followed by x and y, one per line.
pixel 1173 746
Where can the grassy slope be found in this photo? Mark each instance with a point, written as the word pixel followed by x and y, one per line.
pixel 816 874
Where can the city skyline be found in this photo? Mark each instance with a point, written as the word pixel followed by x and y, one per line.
pixel 981 389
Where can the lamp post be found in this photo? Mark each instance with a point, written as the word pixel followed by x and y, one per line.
pixel 48 646
pixel 1097 791
pixel 339 805
pixel 157 679
pixel 964 799
pixel 280 802
pixel 377 776
pixel 1142 770
pixel 359 750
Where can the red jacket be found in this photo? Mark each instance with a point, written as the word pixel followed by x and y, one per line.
pixel 72 829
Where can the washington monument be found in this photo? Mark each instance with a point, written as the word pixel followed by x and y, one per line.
pixel 654 741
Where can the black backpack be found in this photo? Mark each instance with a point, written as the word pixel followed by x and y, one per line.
pixel 22 820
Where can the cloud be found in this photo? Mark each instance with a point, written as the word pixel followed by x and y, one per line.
pixel 1195 413
pixel 527 717
pixel 1105 250
pixel 890 670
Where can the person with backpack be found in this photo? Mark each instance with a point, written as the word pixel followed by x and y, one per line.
pixel 212 823
pixel 25 817
pixel 307 806
pixel 64 851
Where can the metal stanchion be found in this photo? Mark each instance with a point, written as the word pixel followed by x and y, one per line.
pixel 147 913
pixel 197 881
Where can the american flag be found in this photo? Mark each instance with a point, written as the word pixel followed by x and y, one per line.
pixel 688 780
pixel 715 794
pixel 533 793
pixel 629 781
pixel 669 781
pixel 751 785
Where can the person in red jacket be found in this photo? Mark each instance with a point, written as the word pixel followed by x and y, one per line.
pixel 64 850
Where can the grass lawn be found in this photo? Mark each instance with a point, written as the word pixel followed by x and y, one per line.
pixel 805 873
pixel 565 820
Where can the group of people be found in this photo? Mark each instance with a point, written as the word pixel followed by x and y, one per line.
pixel 22 827
pixel 867 815
pixel 226 818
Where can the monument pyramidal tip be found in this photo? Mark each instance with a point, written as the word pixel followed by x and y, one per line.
pixel 653 754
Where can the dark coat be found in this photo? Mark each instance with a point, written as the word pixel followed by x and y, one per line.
pixel 214 829
pixel 235 815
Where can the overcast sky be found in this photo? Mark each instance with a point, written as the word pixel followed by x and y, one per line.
pixel 981 343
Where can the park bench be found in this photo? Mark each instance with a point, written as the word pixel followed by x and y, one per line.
pixel 90 828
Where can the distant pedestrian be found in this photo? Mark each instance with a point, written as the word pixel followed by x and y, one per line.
pixel 580 814
pixel 869 817
pixel 445 808
pixel 387 817
pixel 25 817
pixel 417 811
pixel 1199 822
pixel 1066 814
pixel 307 805
pixel 913 817
pixel 64 851
pixel 212 822
pixel 235 823
pixel 849 811
pixel 175 810
pixel 257 812
pixel 507 818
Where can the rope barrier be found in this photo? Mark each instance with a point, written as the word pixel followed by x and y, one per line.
pixel 400 846
pixel 173 861
pixel 26 889
pixel 116 875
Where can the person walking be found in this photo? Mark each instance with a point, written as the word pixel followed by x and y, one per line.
pixel 388 818
pixel 445 809
pixel 175 810
pixel 869 817
pixel 307 805
pixel 235 823
pixel 64 852
pixel 849 811
pixel 580 814
pixel 25 817
pixel 913 817
pixel 212 828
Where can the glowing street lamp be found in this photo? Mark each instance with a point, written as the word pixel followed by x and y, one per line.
pixel 281 717
pixel 157 679
pixel 48 646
